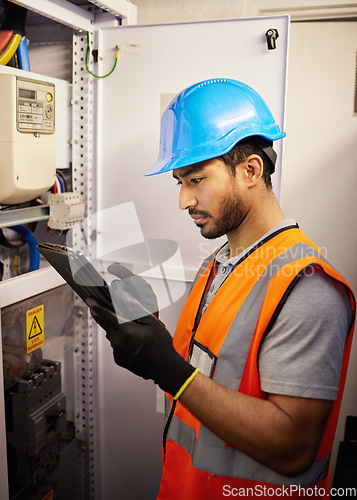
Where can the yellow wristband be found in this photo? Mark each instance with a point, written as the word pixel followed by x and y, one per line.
pixel 188 381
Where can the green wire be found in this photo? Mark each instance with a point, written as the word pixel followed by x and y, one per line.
pixel 97 76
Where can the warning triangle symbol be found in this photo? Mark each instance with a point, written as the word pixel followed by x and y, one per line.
pixel 35 328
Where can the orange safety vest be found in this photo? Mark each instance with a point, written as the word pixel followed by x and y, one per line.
pixel 197 464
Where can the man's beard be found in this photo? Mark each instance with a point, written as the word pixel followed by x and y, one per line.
pixel 232 214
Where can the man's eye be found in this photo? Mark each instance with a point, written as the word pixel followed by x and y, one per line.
pixel 178 183
pixel 196 180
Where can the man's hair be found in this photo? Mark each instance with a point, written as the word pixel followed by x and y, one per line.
pixel 246 147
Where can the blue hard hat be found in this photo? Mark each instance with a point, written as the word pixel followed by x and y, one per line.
pixel 207 119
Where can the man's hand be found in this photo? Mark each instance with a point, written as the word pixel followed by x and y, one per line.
pixel 140 342
pixel 132 296
pixel 136 286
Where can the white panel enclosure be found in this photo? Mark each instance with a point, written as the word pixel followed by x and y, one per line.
pixel 155 63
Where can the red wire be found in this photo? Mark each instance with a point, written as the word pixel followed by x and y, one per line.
pixel 5 37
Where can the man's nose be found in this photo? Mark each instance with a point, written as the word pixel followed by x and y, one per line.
pixel 187 198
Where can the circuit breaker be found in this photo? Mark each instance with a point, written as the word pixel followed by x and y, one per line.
pixel 27 138
pixel 36 419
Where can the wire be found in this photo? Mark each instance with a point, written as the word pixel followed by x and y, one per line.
pixel 58 185
pixel 10 50
pixel 61 183
pixel 10 243
pixel 5 208
pixel 97 76
pixel 60 174
pixel 8 207
pixel 23 55
pixel 32 243
pixel 5 37
pixel 14 18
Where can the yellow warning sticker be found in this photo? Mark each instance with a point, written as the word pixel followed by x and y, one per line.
pixel 35 328
pixel 49 496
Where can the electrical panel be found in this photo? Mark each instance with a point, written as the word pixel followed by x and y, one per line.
pixel 27 138
pixel 38 356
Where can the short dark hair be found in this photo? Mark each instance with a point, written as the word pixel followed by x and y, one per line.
pixel 246 147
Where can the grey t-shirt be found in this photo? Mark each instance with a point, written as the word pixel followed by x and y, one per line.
pixel 302 354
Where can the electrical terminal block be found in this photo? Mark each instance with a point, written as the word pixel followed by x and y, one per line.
pixel 66 209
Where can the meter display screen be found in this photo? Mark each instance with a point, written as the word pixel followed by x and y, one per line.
pixel 35 106
pixel 27 94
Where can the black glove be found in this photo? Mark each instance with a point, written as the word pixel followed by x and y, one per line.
pixel 132 296
pixel 136 286
pixel 142 345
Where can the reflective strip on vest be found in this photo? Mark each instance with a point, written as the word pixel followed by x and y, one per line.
pixel 230 462
pixel 231 362
pixel 224 460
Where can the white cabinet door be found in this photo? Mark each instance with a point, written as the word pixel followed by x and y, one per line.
pixel 155 63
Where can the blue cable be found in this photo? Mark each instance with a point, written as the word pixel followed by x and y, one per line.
pixel 61 182
pixel 32 243
pixel 23 55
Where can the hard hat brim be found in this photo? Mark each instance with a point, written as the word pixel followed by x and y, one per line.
pixel 169 164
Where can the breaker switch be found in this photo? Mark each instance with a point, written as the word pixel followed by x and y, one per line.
pixel 53 420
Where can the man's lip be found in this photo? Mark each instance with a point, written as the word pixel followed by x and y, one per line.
pixel 198 218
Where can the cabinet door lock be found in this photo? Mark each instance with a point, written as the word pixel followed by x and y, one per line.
pixel 272 34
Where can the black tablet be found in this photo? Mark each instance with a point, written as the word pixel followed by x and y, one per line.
pixel 77 271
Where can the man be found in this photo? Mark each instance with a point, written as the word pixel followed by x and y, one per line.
pixel 261 348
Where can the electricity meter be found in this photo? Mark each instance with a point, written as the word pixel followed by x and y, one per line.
pixel 27 138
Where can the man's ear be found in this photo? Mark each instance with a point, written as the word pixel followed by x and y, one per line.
pixel 253 169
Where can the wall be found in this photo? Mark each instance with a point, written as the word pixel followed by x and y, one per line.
pixel 175 11
pixel 319 172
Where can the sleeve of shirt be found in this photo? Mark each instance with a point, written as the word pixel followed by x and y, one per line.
pixel 302 354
